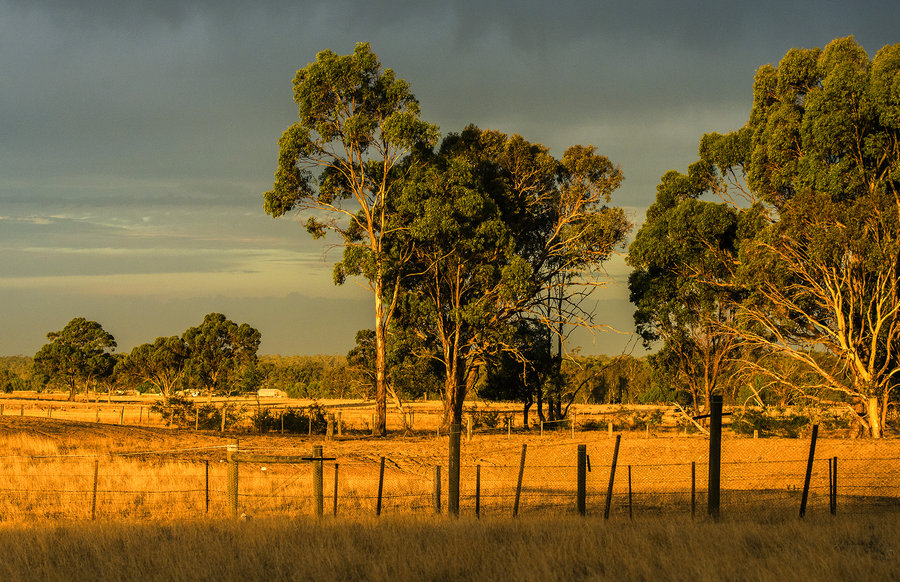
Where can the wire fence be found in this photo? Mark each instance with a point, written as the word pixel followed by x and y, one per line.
pixel 156 485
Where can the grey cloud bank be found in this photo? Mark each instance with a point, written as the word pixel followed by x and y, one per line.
pixel 138 137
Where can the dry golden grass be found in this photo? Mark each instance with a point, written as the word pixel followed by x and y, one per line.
pixel 391 549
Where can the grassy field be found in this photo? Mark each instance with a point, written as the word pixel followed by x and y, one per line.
pixel 152 523
pixel 544 549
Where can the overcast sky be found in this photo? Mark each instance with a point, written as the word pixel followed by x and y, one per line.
pixel 137 137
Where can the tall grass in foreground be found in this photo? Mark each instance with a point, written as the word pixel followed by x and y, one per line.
pixel 546 549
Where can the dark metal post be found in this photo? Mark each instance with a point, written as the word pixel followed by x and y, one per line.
pixel 477 491
pixel 436 490
pixel 380 487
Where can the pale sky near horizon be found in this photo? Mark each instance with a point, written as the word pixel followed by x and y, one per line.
pixel 137 138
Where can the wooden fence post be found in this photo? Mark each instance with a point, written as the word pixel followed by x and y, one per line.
pixel 380 487
pixel 94 495
pixel 22 410
pixel 224 414
pixel 581 488
pixel 329 430
pixel 715 456
pixel 340 430
pixel 612 477
pixel 453 472
pixel 122 416
pixel 469 423
pixel 809 466
pixel 98 414
pixel 318 478
pixel 230 450
pixel 436 490
pixel 610 429
pixel 197 420
pixel 141 415
pixel 50 412
pixel 519 482
pixel 509 428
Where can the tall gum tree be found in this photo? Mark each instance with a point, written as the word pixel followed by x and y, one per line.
pixel 496 223
pixel 820 155
pixel 76 355
pixel 338 165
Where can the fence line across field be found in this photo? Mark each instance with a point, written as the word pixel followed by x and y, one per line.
pixel 103 487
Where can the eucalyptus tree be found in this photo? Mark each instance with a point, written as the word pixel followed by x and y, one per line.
pixel 337 165
pixel 495 223
pixel 76 355
pixel 681 257
pixel 161 363
pixel 218 349
pixel 820 156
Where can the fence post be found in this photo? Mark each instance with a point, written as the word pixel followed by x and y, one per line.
pixel 232 488
pixel 22 410
pixel 612 477
pixel 469 428
pixel 436 490
pixel 834 486
pixel 374 431
pixel 630 512
pixel 693 488
pixel 207 486
pixel 509 428
pixel 610 429
pixel 98 414
pixel 223 417
pixel 318 479
pixel 335 488
pixel 809 466
pixel 94 495
pixel 453 472
pixel 573 425
pixel 477 491
pixel 715 456
pixel 329 430
pixel 141 415
pixel 380 487
pixel 340 431
pixel 122 416
pixel 50 412
pixel 581 493
pixel 542 428
pixel 197 420
pixel 519 482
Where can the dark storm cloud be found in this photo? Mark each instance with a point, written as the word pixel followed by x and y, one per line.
pixel 152 125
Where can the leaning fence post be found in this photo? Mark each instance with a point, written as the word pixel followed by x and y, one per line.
pixel 380 487
pixel 232 488
pixel 612 477
pixel 581 491
pixel 436 490
pixel 94 495
pixel 318 479
pixel 453 472
pixel 519 482
pixel 809 466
